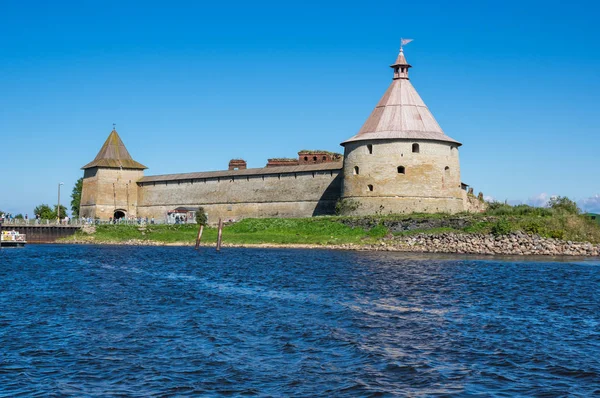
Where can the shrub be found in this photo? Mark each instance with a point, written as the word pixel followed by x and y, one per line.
pixel 502 227
pixel 345 206
pixel 533 226
pixel 562 204
pixel 201 217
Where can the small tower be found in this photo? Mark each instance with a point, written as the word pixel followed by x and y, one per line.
pixel 401 161
pixel 110 182
pixel 401 66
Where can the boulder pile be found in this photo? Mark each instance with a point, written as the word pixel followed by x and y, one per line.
pixel 517 243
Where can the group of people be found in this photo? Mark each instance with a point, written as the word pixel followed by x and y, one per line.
pixel 8 218
pixel 131 220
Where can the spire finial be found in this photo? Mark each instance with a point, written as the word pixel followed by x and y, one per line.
pixel 114 127
pixel 401 66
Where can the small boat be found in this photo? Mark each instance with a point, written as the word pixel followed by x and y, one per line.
pixel 12 239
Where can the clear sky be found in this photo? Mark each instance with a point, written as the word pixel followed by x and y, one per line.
pixel 192 84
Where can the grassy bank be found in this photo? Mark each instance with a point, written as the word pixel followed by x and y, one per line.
pixel 319 231
pixel 360 230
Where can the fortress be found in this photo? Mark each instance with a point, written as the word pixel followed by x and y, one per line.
pixel 400 161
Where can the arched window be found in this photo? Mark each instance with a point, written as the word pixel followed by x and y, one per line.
pixel 314 158
pixel 356 170
pixel 415 148
pixel 401 170
pixel 370 188
pixel 306 158
pixel 370 149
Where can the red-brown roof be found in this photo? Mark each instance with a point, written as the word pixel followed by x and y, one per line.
pixel 401 114
pixel 113 154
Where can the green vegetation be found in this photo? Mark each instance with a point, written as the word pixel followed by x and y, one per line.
pixel 345 206
pixel 201 218
pixel 561 221
pixel 76 198
pixel 47 213
pixel 283 159
pixel 318 230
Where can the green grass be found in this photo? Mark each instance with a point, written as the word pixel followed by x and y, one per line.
pixel 337 230
pixel 319 230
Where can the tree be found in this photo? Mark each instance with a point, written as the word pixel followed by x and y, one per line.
pixel 45 212
pixel 19 216
pixel 563 204
pixel 63 212
pixel 201 218
pixel 76 197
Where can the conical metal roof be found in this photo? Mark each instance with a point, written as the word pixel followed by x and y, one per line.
pixel 401 113
pixel 113 154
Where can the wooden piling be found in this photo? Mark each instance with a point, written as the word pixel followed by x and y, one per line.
pixel 199 237
pixel 220 235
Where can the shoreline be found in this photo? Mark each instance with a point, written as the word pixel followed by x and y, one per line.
pixel 514 244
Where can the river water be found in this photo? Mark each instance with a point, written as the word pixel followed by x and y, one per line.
pixel 167 321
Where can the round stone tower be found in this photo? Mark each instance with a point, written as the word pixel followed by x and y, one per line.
pixel 401 161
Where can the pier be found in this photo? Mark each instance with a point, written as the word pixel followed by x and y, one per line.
pixel 42 233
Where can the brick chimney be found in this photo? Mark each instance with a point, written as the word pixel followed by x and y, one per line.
pixel 237 164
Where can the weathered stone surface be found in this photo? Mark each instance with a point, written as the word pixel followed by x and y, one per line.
pixel 402 181
pixel 108 189
pixel 274 195
pixel 517 243
pixel 410 224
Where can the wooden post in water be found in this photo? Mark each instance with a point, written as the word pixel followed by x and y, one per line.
pixel 199 237
pixel 220 235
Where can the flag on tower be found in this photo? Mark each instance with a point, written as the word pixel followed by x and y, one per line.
pixel 405 41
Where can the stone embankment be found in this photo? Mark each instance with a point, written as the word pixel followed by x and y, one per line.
pixel 516 243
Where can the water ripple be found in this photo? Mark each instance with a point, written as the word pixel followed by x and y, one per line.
pixel 147 321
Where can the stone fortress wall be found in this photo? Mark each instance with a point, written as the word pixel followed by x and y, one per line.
pixel 297 191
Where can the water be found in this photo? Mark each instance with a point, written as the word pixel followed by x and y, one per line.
pixel 146 321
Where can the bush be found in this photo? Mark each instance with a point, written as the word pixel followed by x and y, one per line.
pixel 562 204
pixel 345 206
pixel 503 209
pixel 201 217
pixel 502 227
pixel 534 226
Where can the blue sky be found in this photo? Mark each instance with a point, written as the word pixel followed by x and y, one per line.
pixel 191 85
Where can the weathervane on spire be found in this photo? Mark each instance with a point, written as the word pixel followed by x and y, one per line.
pixel 404 42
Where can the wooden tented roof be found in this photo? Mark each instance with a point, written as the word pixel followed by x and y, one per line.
pixel 113 154
pixel 401 113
